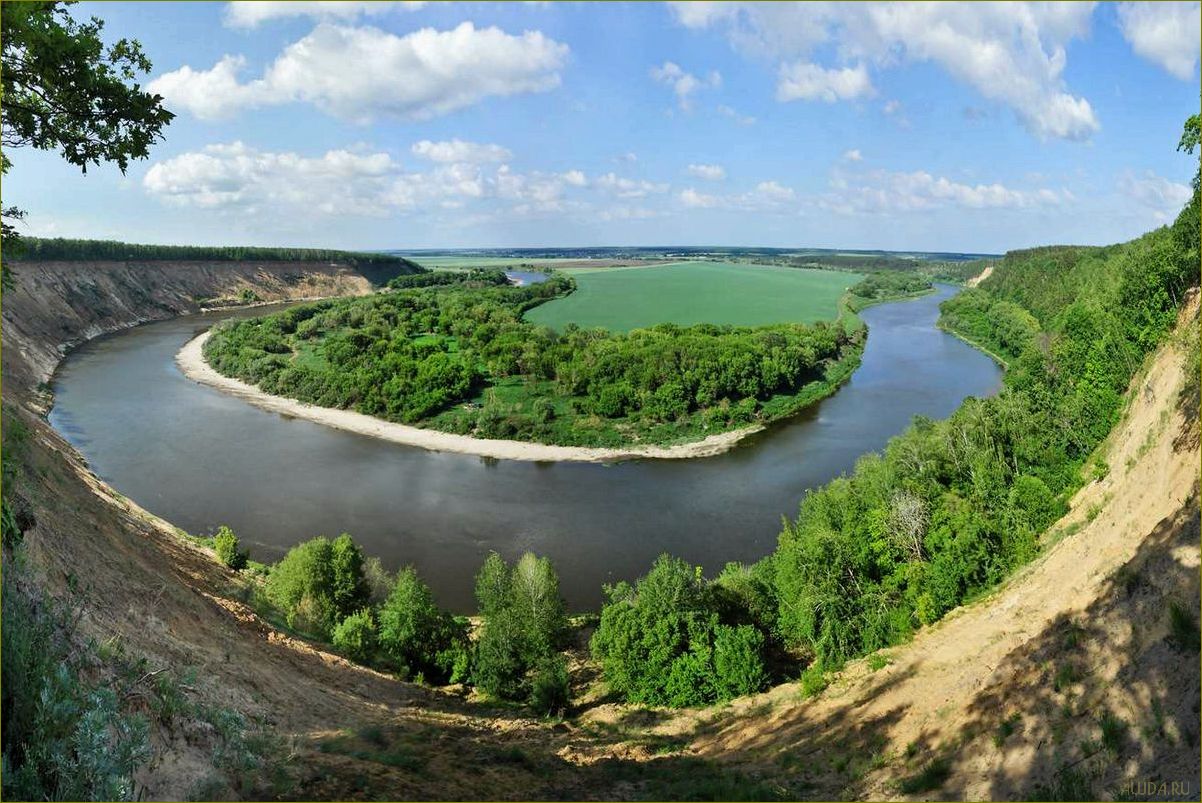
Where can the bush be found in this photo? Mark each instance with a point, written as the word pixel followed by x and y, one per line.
pixel 549 688
pixel 663 641
pixel 319 583
pixel 225 543
pixel 416 633
pixel 523 624
pixel 813 680
pixel 64 739
pixel 355 636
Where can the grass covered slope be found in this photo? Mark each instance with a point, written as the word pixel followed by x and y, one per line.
pixel 690 293
pixel 459 357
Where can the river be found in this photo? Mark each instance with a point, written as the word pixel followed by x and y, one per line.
pixel 199 459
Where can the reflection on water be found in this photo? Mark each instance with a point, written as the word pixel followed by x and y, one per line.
pixel 200 458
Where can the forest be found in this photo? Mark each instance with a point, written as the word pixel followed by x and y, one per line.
pixel 452 351
pixel 73 250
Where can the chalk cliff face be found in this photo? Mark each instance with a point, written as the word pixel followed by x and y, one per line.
pixel 56 305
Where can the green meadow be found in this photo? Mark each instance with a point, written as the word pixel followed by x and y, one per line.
pixel 689 293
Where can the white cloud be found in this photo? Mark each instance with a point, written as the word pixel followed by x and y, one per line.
pixel 628 213
pixel 1163 197
pixel 767 196
pixel 698 200
pixel 772 192
pixel 802 81
pixel 457 150
pixel 1164 33
pixel 209 94
pixel 629 187
pixel 1013 53
pixel 251 14
pixel 884 191
pixel 707 172
pixel 684 84
pixel 741 119
pixel 853 155
pixel 891 107
pixel 360 73
pixel 235 175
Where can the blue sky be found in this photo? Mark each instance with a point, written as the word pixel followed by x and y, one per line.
pixel 975 127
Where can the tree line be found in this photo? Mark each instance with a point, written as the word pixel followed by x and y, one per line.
pixel 39 249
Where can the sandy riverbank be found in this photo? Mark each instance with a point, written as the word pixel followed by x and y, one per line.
pixel 191 361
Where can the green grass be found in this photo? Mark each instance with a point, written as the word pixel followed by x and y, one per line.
pixel 697 292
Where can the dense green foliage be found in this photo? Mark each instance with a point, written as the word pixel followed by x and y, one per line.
pixel 416 355
pixel 479 277
pixel 951 507
pixel 225 544
pixel 523 625
pixel 319 583
pixel 690 293
pixel 70 250
pixel 328 590
pixel 64 89
pixel 671 639
pixel 64 737
pixel 882 286
pixel 355 636
pixel 419 636
pixel 1001 326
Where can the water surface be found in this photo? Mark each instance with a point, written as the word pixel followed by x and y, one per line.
pixel 200 458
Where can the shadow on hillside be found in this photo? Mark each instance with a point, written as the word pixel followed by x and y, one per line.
pixel 1105 697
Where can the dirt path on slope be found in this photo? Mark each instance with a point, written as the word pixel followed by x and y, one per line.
pixel 980 277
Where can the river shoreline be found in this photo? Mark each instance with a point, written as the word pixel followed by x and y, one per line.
pixel 193 365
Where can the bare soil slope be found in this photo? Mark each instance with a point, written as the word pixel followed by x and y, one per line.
pixel 56 305
pixel 930 724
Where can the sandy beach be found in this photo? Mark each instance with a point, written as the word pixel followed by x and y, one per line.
pixel 192 363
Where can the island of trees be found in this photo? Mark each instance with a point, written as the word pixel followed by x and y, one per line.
pixel 451 351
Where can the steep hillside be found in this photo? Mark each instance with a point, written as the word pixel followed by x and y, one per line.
pixel 54 305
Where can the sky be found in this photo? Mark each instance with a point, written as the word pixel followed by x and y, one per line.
pixel 973 127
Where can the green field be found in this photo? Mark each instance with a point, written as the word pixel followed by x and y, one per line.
pixel 696 292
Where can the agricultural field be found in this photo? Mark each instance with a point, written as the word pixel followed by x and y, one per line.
pixel 689 293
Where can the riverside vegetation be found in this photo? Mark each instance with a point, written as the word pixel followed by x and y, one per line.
pixel 453 352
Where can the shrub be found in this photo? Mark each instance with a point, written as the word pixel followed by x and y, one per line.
pixel 523 623
pixel 549 688
pixel 64 739
pixel 662 641
pixel 813 680
pixel 416 633
pixel 355 636
pixel 319 583
pixel 350 591
pixel 225 543
pixel 379 580
pixel 543 410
